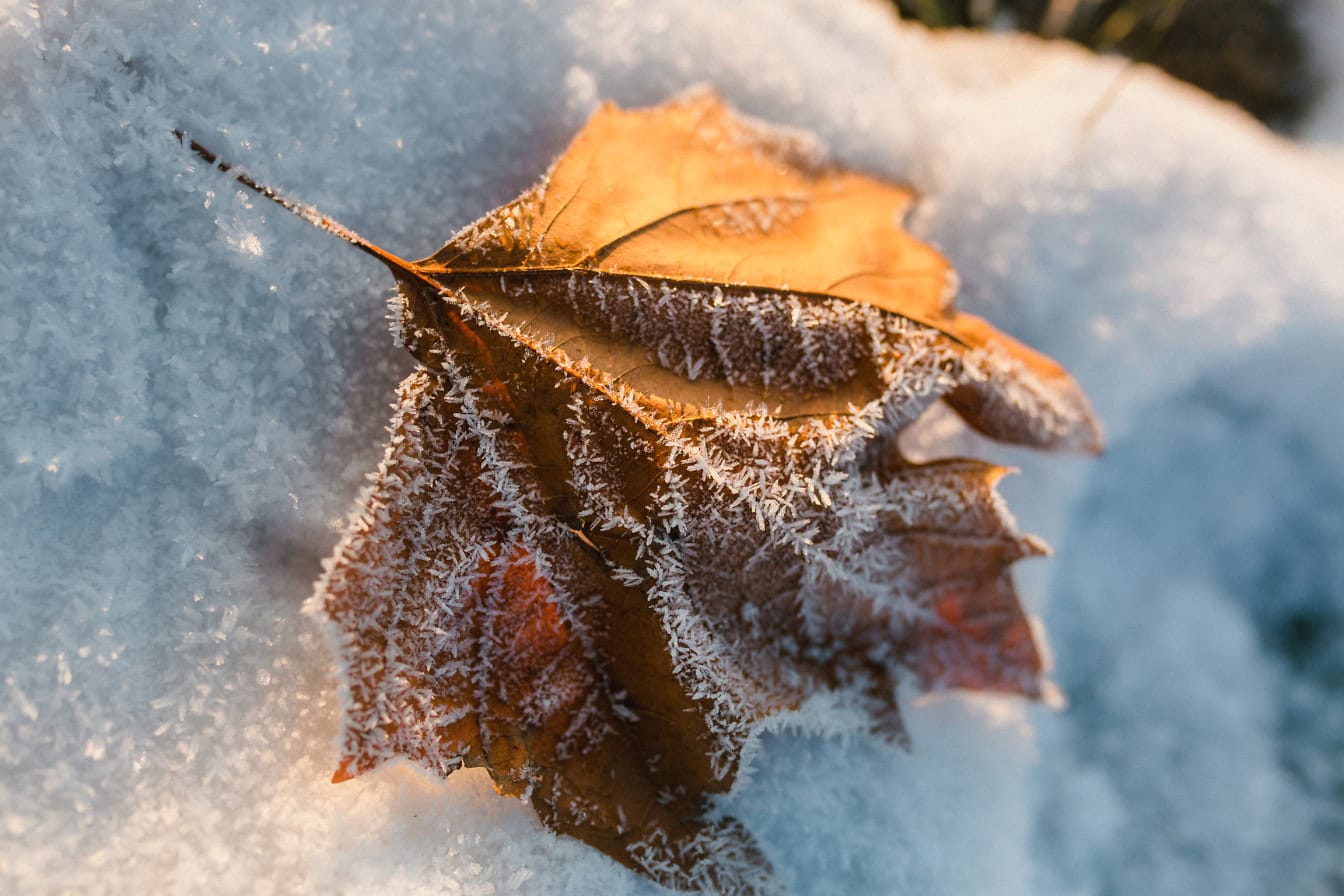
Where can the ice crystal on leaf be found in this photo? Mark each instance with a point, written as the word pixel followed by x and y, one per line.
pixel 644 489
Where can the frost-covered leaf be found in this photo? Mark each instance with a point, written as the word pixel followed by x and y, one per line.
pixel 645 491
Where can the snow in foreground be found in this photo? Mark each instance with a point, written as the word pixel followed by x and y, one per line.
pixel 192 387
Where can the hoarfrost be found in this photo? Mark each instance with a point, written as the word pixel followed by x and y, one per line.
pixel 141 355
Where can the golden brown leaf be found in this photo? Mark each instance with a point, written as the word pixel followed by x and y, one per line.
pixel 644 490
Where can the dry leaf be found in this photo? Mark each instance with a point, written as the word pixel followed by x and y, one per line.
pixel 645 490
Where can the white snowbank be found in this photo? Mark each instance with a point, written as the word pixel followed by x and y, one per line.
pixel 192 386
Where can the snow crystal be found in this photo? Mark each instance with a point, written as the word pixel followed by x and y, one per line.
pixel 162 394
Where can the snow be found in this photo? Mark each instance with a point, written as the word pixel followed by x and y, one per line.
pixel 193 386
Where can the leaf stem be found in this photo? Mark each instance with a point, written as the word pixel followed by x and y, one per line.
pixel 303 210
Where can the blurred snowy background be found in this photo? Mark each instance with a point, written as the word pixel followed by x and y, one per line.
pixel 193 385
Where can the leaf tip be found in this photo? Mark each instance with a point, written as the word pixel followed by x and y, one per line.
pixel 1097 442
pixel 343 772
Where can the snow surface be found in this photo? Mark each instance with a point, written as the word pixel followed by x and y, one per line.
pixel 193 385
